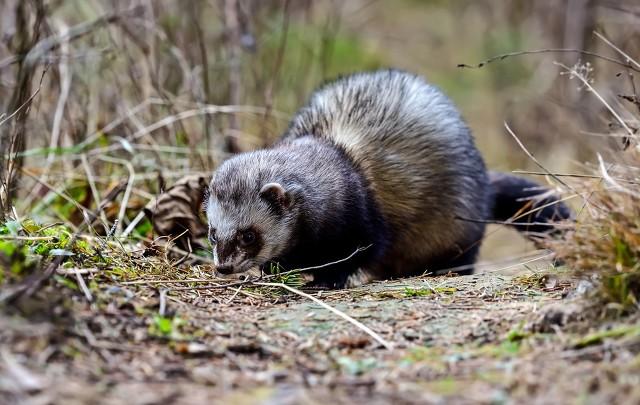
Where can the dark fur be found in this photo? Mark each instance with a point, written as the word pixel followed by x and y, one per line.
pixel 514 197
pixel 381 161
pixel 324 231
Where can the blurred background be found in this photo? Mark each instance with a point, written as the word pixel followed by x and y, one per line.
pixel 115 100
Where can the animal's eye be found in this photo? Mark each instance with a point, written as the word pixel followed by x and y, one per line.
pixel 247 238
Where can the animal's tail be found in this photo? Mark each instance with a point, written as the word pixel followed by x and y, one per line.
pixel 527 206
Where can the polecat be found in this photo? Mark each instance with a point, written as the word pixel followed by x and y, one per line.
pixel 380 161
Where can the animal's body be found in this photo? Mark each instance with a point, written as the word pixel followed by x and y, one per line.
pixel 381 161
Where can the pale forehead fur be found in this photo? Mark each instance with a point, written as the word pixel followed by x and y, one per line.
pixel 235 203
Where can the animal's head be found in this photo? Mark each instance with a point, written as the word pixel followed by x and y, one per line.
pixel 251 220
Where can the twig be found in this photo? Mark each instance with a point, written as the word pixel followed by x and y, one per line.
pixel 304 269
pixel 620 51
pixel 83 287
pixel 65 88
pixel 13 139
pixel 491 221
pixel 492 264
pixel 133 224
pixel 210 109
pixel 552 50
pixel 233 35
pixel 341 314
pixel 189 252
pixel 163 301
pixel 577 175
pixel 614 183
pixel 268 93
pixel 53 189
pixel 243 282
pixel 237 290
pixel 68 272
pixel 127 192
pixel 25 380
pixel 33 282
pixel 586 83
pixel 75 32
pixel 16 237
pixel 94 189
pixel 533 158
pixel 193 280
pixel 26 103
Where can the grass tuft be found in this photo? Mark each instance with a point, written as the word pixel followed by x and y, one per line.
pixel 605 243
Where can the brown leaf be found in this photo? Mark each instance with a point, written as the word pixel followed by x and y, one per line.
pixel 176 212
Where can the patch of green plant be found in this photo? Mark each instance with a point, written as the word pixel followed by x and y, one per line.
pixel 60 238
pixel 292 279
pixel 122 273
pixel 10 228
pixel 510 346
pixel 57 151
pixel 34 243
pixel 167 328
pixel 66 282
pixel 66 208
pixel 15 260
pixel 143 229
pixel 620 288
pixel 599 336
pixel 71 351
pixel 533 280
pixel 446 386
pixel 517 334
pixel 624 253
pixel 446 290
pixel 387 294
pixel 357 366
pixel 417 292
pixel 432 355
pixel 505 349
pixel 424 292
pixel 52 237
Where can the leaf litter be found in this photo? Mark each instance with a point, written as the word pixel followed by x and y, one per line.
pixel 483 338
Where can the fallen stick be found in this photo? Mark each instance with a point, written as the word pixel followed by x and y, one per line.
pixel 341 314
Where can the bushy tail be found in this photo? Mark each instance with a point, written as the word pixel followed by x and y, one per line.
pixel 527 206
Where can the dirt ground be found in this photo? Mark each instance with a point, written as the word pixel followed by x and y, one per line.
pixel 524 337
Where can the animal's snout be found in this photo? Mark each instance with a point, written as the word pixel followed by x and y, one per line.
pixel 225 268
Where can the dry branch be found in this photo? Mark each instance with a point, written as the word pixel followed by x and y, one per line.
pixel 504 56
pixel 358 324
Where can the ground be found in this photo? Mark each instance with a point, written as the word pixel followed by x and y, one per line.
pixel 525 337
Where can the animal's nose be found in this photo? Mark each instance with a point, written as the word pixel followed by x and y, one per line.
pixel 225 268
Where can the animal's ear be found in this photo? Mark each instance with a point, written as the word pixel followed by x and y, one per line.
pixel 276 194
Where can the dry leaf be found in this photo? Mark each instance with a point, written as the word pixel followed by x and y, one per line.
pixel 176 212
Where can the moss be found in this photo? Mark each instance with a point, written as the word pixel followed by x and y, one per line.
pixel 517 334
pixel 417 292
pixel 599 336
pixel 424 292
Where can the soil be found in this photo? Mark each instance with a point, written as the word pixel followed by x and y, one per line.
pixel 525 337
